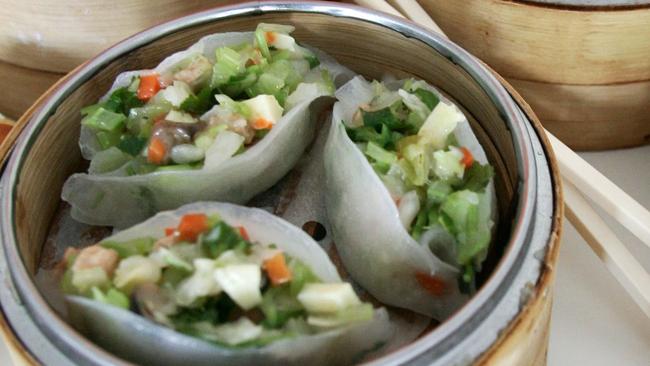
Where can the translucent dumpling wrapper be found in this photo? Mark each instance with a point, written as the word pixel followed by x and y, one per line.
pixel 114 199
pixel 143 341
pixel 373 243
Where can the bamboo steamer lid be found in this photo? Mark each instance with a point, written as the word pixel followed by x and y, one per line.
pixel 56 36
pixel 583 65
pixel 23 87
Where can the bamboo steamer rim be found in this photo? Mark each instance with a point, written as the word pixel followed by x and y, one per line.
pixel 586 5
pixel 546 276
pixel 527 321
pixel 520 326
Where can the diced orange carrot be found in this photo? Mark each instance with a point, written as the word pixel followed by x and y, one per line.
pixel 277 270
pixel 270 37
pixel 169 231
pixel 467 159
pixel 149 86
pixel 432 284
pixel 262 124
pixel 243 233
pixel 156 151
pixel 5 128
pixel 191 226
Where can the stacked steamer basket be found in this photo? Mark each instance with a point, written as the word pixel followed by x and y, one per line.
pixel 41 41
pixel 583 65
pixel 506 321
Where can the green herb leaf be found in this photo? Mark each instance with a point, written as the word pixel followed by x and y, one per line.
pixel 220 238
pixel 132 145
pixel 477 177
pixel 427 97
pixel 200 103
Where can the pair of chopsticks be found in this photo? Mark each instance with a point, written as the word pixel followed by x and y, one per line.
pixel 579 179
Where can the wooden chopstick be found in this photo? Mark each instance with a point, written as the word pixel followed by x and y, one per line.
pixel 381 6
pixel 602 191
pixel 413 11
pixel 576 171
pixel 618 260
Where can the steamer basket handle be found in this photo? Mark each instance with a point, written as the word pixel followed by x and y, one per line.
pixel 580 178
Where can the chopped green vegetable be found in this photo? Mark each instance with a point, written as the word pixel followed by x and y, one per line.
pixel 112 297
pixel 279 305
pixel 105 120
pixel 132 145
pixel 462 217
pixel 108 139
pixel 199 103
pixel 122 100
pixel 221 238
pixel 139 246
pixel 477 177
pixel 380 155
pixel 427 97
pixel 438 191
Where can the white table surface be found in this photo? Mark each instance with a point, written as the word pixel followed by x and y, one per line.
pixel 594 321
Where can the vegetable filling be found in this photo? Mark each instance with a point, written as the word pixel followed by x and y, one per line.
pixel 210 280
pixel 202 111
pixel 438 187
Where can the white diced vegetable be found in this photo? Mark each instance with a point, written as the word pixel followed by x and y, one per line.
pixel 180 117
pixel 201 283
pixel 439 124
pixel 242 283
pixel 170 258
pixel 84 279
pixel 136 270
pixel 327 297
pixel 414 104
pixel 448 164
pixel 205 138
pixel 231 257
pixel 176 93
pixel 264 107
pixel 233 333
pixel 408 208
pixel 225 145
pixel 186 153
pixel 282 41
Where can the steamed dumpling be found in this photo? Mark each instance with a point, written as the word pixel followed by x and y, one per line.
pixel 218 283
pixel 223 120
pixel 409 194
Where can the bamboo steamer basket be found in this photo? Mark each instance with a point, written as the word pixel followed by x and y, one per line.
pixel 506 322
pixel 40 41
pixel 57 36
pixel 584 67
pixel 23 86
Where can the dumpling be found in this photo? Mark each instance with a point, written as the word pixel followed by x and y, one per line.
pixel 223 120
pixel 216 283
pixel 409 194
